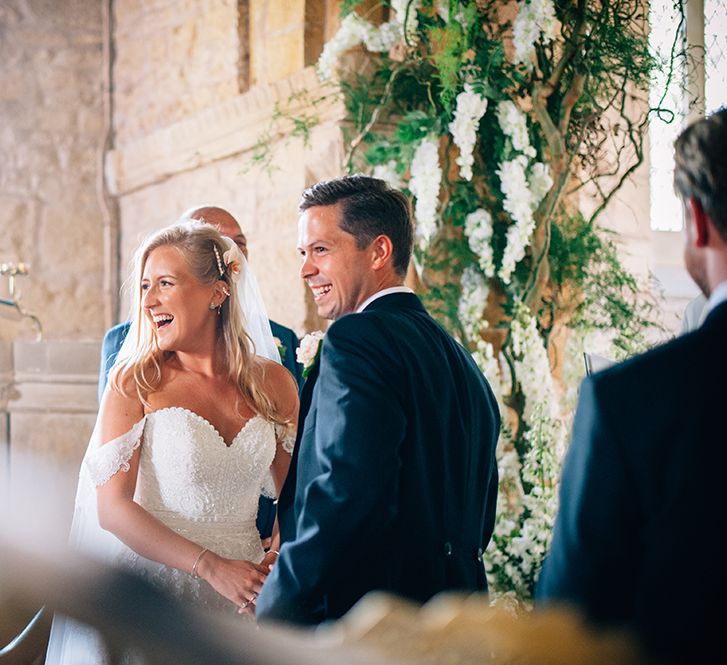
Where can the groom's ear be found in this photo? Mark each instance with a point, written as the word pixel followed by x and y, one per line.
pixel 382 249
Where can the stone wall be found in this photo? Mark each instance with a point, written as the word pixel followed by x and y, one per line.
pixel 51 130
pixel 188 138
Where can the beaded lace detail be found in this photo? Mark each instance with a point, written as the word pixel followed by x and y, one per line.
pixel 195 483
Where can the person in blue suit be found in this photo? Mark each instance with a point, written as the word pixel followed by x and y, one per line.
pixel 395 479
pixel 114 338
pixel 635 544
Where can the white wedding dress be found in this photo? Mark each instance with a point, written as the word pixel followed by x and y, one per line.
pixel 192 481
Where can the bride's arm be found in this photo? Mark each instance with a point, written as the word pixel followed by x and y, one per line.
pixel 283 387
pixel 129 522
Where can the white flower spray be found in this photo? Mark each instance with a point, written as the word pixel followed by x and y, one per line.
pixel 471 106
pixel 523 193
pixel 387 173
pixel 478 229
pixel 473 301
pixel 355 30
pixel 424 184
pixel 534 18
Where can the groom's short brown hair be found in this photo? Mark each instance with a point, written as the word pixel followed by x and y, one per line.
pixel 369 208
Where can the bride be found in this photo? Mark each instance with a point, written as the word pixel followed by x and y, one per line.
pixel 191 428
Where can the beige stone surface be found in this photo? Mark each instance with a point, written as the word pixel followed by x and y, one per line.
pixel 264 204
pixel 50 133
pixel 277 33
pixel 172 59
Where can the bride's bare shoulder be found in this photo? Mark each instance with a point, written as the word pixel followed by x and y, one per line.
pixel 121 408
pixel 279 384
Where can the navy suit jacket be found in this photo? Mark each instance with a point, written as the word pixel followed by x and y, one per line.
pixel 395 471
pixel 114 338
pixel 642 498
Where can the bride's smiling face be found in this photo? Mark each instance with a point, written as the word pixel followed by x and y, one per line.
pixel 175 301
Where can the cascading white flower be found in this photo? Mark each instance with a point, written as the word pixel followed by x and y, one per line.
pixel 424 184
pixel 518 203
pixel 523 193
pixel 484 356
pixel 352 32
pixel 532 365
pixel 514 124
pixel 473 301
pixel 355 30
pixel 540 183
pixel 406 11
pixel 534 18
pixel 387 173
pixel 478 229
pixel 471 106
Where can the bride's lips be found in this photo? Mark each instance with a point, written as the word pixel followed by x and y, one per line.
pixel 320 290
pixel 162 320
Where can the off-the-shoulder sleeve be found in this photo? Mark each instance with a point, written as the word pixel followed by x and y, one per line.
pixel 105 460
pixel 285 435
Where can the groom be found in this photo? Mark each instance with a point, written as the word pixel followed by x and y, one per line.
pixel 394 480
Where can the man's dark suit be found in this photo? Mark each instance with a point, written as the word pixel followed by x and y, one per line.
pixel 396 474
pixel 642 498
pixel 114 338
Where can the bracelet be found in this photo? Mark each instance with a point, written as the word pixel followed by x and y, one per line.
pixel 196 563
pixel 275 552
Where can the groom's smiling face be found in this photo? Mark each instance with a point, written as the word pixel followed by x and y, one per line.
pixel 339 274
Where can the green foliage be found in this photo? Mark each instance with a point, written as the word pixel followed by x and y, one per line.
pixel 612 298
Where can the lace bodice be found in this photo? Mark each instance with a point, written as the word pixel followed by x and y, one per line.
pixel 191 480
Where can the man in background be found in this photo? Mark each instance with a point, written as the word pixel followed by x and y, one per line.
pixel 635 544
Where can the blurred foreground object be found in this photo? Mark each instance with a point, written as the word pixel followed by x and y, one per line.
pixel 135 617
pixel 10 308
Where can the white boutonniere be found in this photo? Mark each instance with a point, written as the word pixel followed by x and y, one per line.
pixel 309 350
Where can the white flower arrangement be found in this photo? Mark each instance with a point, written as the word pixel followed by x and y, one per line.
pixel 514 124
pixel 534 18
pixel 471 106
pixel 532 364
pixel 351 33
pixel 426 178
pixel 478 229
pixel 484 356
pixel 309 349
pixel 406 11
pixel 524 521
pixel 355 30
pixel 387 173
pixel 473 301
pixel 518 203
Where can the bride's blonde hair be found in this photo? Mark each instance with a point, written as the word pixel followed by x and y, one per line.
pixel 201 245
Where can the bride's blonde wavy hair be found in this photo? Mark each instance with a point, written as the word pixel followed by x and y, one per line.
pixel 142 368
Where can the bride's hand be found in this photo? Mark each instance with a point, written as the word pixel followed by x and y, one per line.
pixel 237 580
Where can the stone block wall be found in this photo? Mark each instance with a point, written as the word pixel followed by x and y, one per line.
pixel 51 131
pixel 182 141
pixel 171 59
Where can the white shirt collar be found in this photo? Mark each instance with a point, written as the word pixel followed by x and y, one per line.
pixel 719 295
pixel 380 294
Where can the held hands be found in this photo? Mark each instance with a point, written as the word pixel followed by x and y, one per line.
pixel 237 580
